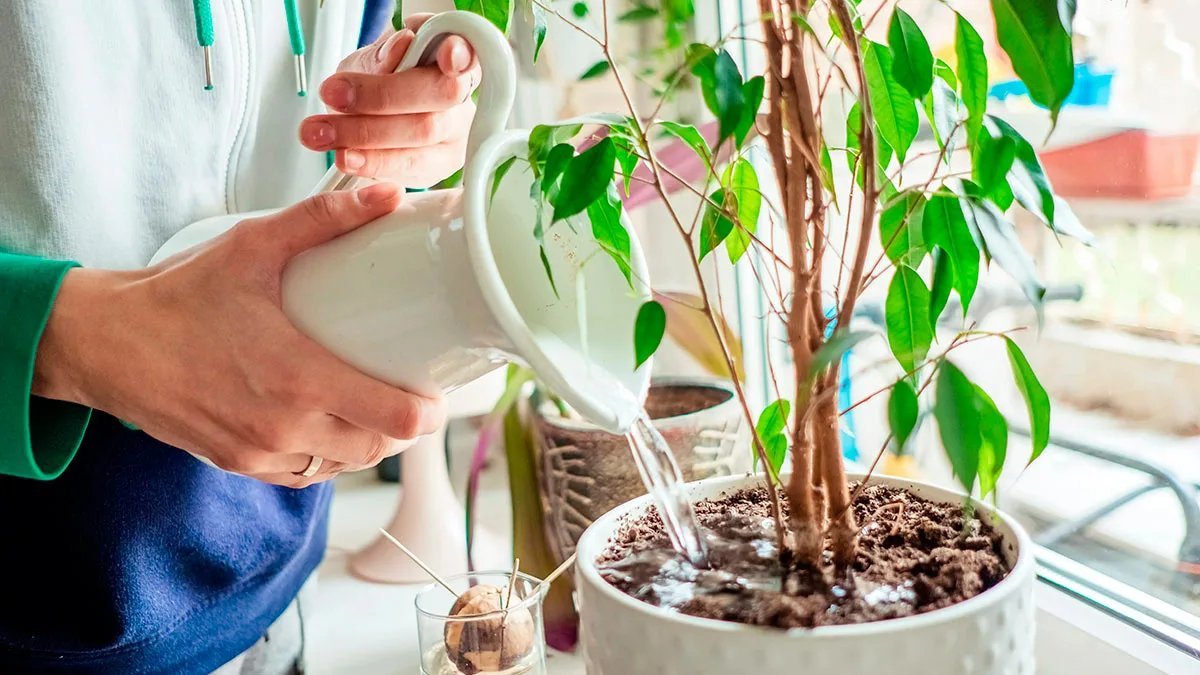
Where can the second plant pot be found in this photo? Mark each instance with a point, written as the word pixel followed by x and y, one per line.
pixel 584 471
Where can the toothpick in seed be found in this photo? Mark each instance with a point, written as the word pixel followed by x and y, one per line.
pixel 566 565
pixel 512 581
pixel 413 556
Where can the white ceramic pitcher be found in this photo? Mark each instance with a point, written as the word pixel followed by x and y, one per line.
pixel 451 285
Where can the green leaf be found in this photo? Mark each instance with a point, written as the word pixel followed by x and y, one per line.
pixel 742 181
pixel 752 96
pixel 771 423
pixel 496 11
pixel 610 233
pixel 596 70
pixel 1037 401
pixel 690 136
pixel 549 272
pixel 1000 238
pixel 628 160
pixel 942 70
pixel 993 442
pixel 648 330
pixel 580 10
pixel 827 173
pixel 894 109
pixel 900 229
pixel 721 86
pixel 716 225
pixel 906 312
pixel 537 18
pixel 639 13
pixel 883 151
pixel 902 412
pixel 498 176
pixel 939 291
pixel 586 179
pixel 543 137
pixel 944 110
pixel 773 419
pixel 993 158
pixel 1032 33
pixel 958 421
pixel 944 225
pixel 556 162
pixel 912 62
pixel 832 351
pixel 972 71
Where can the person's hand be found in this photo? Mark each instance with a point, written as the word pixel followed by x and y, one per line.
pixel 196 351
pixel 408 127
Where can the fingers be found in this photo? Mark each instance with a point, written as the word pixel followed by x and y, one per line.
pixel 413 167
pixel 371 132
pixel 322 217
pixel 455 56
pixel 411 91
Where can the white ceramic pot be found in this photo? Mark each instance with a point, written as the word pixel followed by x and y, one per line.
pixel 990 634
pixel 451 285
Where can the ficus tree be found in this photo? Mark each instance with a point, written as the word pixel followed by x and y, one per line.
pixel 922 221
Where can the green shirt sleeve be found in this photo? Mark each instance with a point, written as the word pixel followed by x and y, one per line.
pixel 38 437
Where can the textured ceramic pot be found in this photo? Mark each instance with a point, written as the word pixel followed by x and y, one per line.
pixel 584 472
pixel 990 634
pixel 451 284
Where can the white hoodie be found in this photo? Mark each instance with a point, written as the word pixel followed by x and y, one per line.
pixel 112 144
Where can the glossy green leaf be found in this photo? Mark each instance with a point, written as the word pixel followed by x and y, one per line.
pixel 1004 247
pixel 993 442
pixel 771 423
pixel 690 136
pixel 580 10
pixel 610 233
pixel 944 110
pixel 945 73
pixel 993 158
pixel 495 11
pixel 721 87
pixel 543 137
pixel 716 225
pixel 537 19
pixel 835 348
pixel 900 229
pixel 628 160
pixel 752 96
pixel 1037 42
pixel 639 13
pixel 893 106
pixel 912 62
pixel 827 180
pixel 742 180
pixel 902 412
pixel 648 330
pixel 549 272
pixel 906 314
pixel 972 70
pixel 556 162
pixel 1037 401
pixel 939 289
pixel 957 415
pixel 944 225
pixel 586 179
pixel 596 70
pixel 499 174
pixel 773 419
pixel 883 151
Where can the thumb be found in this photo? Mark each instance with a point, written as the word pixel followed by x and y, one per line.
pixel 323 217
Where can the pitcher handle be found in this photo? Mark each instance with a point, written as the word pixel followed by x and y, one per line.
pixel 497 90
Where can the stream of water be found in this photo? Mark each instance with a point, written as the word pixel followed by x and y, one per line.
pixel 663 480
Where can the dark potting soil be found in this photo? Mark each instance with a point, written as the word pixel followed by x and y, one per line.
pixel 671 400
pixel 914 556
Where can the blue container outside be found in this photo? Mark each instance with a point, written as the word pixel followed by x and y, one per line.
pixel 1092 88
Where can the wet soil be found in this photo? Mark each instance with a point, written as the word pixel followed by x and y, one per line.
pixel 914 556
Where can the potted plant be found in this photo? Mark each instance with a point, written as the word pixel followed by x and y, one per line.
pixel 814 566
